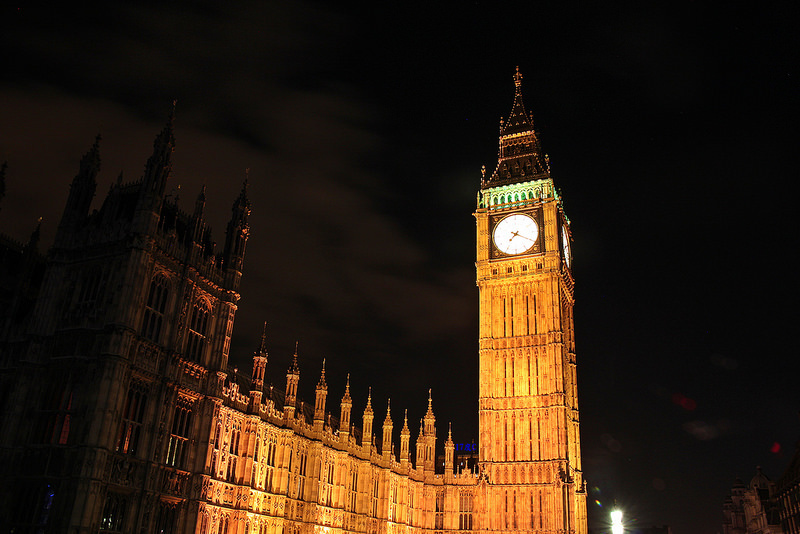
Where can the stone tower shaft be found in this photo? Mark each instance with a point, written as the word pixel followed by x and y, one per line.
pixel 528 404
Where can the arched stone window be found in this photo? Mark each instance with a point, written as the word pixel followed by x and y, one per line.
pixel 114 513
pixel 181 430
pixel 156 306
pixel 132 419
pixel 198 333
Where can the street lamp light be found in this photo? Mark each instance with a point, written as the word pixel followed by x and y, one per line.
pixel 616 522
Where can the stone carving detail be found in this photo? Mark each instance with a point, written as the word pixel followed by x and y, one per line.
pixel 122 471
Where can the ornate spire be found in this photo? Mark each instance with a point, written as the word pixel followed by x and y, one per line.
pixel 241 206
pixel 405 429
pixel 238 230
pixel 346 397
pixel 388 413
pixel 259 367
pixel 368 408
pixel 322 384
pixel 294 367
pixel 90 162
pixel 520 155
pixel 159 164
pixel 429 413
pixel 518 119
pixel 200 203
pixel 82 190
pixel 262 347
pixel 35 235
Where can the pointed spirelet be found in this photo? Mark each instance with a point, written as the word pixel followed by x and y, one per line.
pixel 430 404
pixel 346 397
pixel 90 162
pixel 450 432
pixel 520 157
pixel 368 408
pixel 159 164
pixel 294 367
pixel 262 348
pixel 405 429
pixel 33 241
pixel 518 120
pixel 241 206
pixel 322 384
pixel 200 203
pixel 388 413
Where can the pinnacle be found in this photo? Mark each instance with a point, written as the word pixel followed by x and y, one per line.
pixel 294 368
pixel 389 412
pixel 322 384
pixel 262 348
pixel 518 120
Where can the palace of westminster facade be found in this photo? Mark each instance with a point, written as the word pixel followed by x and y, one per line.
pixel 118 412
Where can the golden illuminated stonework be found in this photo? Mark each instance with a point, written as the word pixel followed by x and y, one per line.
pixel 528 409
pixel 140 424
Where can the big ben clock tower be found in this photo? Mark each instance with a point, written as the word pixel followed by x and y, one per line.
pixel 528 408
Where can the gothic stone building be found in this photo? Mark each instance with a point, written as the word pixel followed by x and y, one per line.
pixel 119 412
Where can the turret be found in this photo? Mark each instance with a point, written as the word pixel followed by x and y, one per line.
pixel 430 435
pixel 366 429
pixel 420 463
pixel 158 167
pixel 386 445
pixel 81 191
pixel 237 232
pixel 259 367
pixel 344 417
pixel 292 379
pixel 319 403
pixel 405 440
pixel 198 224
pixel 449 448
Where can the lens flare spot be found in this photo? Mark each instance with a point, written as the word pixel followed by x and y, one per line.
pixel 684 402
pixel 776 448
pixel 598 503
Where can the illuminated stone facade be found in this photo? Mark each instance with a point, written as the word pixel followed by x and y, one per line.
pixel 120 413
pixel 528 399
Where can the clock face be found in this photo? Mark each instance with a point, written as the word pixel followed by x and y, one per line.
pixel 515 234
pixel 565 246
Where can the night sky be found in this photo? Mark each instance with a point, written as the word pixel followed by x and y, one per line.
pixel 672 130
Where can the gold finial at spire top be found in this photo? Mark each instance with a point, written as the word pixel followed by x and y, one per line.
pixel 518 79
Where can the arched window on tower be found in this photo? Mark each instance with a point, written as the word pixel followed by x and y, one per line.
pixel 132 419
pixel 156 306
pixel 179 437
pixel 198 332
